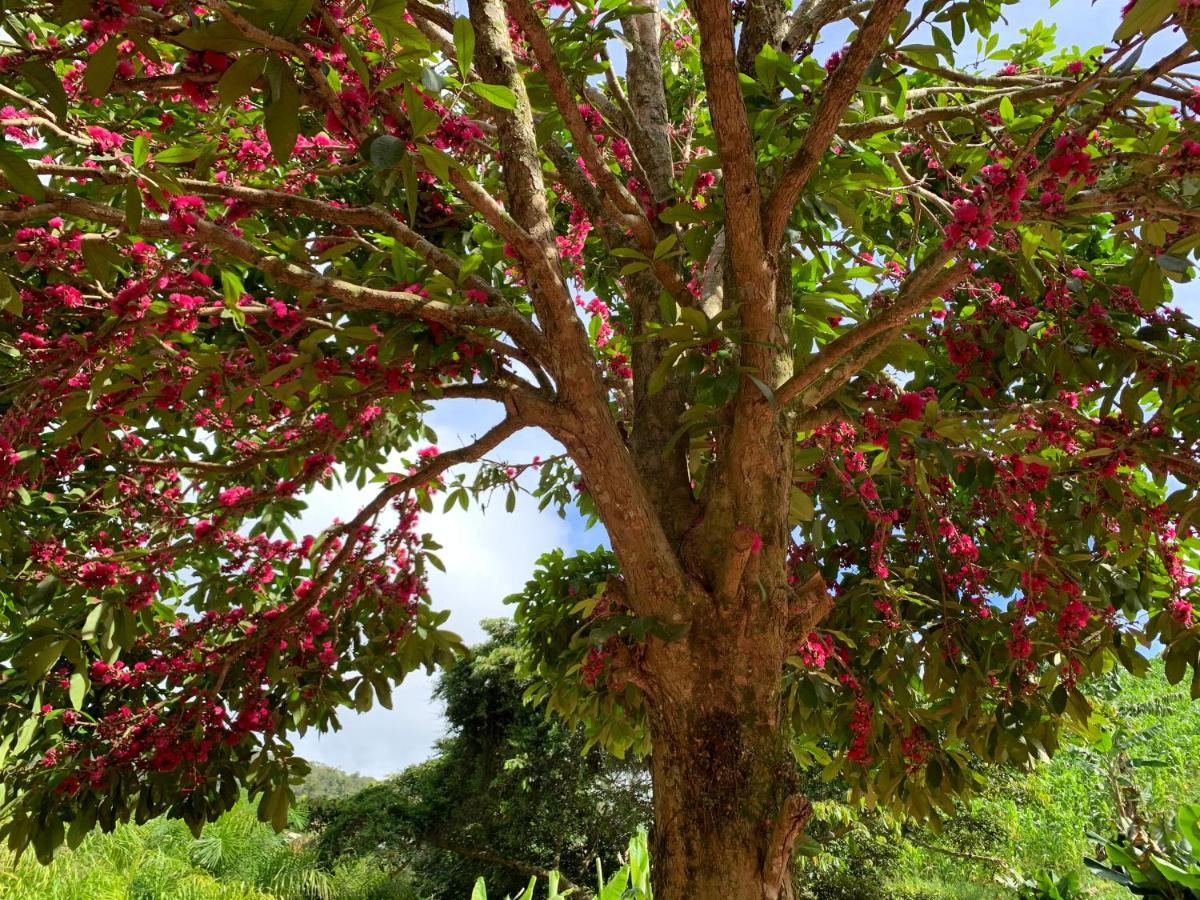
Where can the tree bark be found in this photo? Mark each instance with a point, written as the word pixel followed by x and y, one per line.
pixel 726 811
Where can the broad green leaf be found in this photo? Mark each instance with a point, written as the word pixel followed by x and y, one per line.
pixel 495 94
pixel 238 79
pixel 101 67
pixel 18 173
pixel 282 118
pixel 464 45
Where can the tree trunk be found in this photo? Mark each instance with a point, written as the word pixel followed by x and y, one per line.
pixel 726 814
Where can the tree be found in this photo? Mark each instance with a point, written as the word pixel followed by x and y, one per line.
pixel 329 782
pixel 879 398
pixel 509 793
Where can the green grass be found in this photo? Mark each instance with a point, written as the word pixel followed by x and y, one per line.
pixel 235 858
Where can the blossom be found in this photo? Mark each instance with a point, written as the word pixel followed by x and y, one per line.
pixel 234 495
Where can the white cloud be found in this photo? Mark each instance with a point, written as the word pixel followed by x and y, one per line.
pixel 487 555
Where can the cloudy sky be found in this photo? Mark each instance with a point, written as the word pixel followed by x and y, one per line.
pixel 489 556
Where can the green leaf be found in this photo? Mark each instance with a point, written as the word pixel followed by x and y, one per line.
pixel 439 163
pixel 1058 700
pixel 79 688
pixel 25 735
pixel 680 213
pixel 96 261
pixel 364 697
pixel 222 36
pixel 1174 664
pixel 282 119
pixel 18 173
pixel 764 389
pixel 101 68
pixel 231 287
pixel 802 508
pixel 84 821
pixel 1170 263
pixel 355 58
pixel 1007 113
pixel 293 15
pixel 133 207
pixel 495 94
pixel 386 151
pixel 42 76
pixel 237 80
pixel 141 150
pixel 91 625
pixel 432 80
pixel 464 45
pixel 422 120
pixel 173 156
pixel 39 656
pixel 1145 17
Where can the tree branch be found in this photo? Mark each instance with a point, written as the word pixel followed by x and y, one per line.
pixel 400 303
pixel 735 144
pixel 791 821
pixel 843 85
pixel 564 98
pixel 649 126
pixel 370 216
pixel 813 15
pixel 837 361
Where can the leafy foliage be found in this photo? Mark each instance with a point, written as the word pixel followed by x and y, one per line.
pixel 1163 864
pixel 235 857
pixel 509 792
pixel 328 782
pixel 879 395
pixel 630 882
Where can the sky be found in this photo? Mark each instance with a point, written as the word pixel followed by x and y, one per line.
pixel 490 555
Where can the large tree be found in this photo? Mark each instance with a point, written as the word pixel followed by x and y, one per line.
pixel 865 363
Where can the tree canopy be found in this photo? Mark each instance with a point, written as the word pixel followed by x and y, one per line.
pixel 867 364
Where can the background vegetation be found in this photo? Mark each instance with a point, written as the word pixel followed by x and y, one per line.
pixel 511 794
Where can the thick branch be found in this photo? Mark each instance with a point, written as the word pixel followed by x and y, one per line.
pixel 617 200
pixel 841 89
pixel 813 15
pixel 809 604
pixel 832 364
pixel 764 24
pixel 650 126
pixel 735 143
pixel 568 106
pixel 791 821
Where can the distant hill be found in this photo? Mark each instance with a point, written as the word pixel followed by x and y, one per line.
pixel 330 781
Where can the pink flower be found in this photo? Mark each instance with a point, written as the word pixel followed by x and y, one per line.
pixel 184 213
pixel 234 495
pixel 103 138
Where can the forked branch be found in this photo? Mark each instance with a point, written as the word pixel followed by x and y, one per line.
pixel 840 91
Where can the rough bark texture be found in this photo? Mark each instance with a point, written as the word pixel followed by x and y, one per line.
pixel 722 772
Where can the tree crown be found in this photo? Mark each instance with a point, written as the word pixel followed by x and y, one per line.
pixel 882 339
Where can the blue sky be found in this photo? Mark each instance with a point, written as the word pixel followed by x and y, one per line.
pixel 489 556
